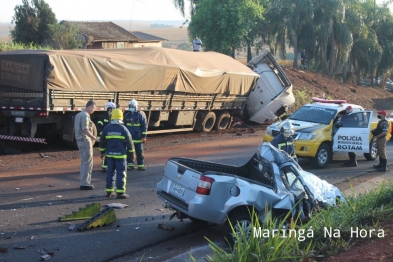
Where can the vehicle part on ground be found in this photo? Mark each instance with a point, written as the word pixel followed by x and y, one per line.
pixel 103 218
pixel 83 213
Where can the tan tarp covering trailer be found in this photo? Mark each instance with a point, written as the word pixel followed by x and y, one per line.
pixel 125 70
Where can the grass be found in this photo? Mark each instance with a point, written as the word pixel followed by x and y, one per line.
pixel 363 211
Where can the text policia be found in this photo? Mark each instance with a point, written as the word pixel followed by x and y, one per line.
pixel 349 142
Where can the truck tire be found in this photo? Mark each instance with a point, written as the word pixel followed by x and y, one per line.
pixel 222 121
pixel 205 121
pixel 373 150
pixel 322 157
pixel 237 221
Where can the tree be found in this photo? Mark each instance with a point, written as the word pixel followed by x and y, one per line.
pixel 181 5
pixel 32 22
pixel 65 37
pixel 224 25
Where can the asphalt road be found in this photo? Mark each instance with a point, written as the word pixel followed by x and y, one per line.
pixel 31 200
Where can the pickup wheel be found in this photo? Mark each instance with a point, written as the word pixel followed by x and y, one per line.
pixel 322 157
pixel 239 222
pixel 373 150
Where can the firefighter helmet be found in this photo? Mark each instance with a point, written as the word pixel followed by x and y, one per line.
pixel 117 114
pixel 286 129
pixel 110 105
pixel 133 103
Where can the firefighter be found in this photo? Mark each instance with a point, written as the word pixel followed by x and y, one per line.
pixel 284 141
pixel 135 122
pixel 102 122
pixel 380 134
pixel 116 144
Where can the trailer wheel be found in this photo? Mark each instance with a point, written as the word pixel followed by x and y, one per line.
pixel 373 150
pixel 205 121
pixel 223 121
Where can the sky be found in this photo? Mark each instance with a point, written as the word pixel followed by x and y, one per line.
pixel 102 10
pixel 106 10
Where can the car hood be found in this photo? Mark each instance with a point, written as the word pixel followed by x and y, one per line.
pixel 302 126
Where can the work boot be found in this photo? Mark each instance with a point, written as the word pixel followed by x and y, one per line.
pixel 383 167
pixel 103 169
pixel 110 194
pixel 352 160
pixel 141 168
pixel 122 196
pixel 352 163
pixel 379 165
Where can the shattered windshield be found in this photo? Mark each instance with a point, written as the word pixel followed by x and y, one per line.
pixel 314 114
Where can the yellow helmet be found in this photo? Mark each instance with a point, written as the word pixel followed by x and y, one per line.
pixel 117 114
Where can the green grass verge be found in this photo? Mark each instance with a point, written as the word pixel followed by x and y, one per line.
pixel 328 232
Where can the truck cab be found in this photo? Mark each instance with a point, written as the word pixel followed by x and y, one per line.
pixel 320 128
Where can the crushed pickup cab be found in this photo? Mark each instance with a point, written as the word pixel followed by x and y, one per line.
pixel 218 193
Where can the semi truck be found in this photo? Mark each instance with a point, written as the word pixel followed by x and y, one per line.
pixel 41 91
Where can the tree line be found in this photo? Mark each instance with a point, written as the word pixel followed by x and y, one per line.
pixel 341 37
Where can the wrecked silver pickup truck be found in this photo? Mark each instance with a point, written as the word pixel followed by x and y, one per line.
pixel 218 193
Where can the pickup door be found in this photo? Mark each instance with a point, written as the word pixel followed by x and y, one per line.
pixel 353 134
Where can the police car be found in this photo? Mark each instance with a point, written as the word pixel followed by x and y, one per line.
pixel 321 128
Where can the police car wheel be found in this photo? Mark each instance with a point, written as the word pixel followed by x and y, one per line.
pixel 322 157
pixel 373 150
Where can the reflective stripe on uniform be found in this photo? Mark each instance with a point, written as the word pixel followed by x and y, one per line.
pixel 115 137
pixel 129 124
pixel 117 156
pixel 110 190
pixel 137 141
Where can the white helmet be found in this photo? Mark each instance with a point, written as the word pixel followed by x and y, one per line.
pixel 133 103
pixel 110 105
pixel 287 129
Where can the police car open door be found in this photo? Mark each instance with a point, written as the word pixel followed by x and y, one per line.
pixel 353 133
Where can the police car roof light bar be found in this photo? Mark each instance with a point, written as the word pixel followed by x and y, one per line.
pixel 320 100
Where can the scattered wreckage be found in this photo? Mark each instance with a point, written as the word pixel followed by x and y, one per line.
pixel 225 194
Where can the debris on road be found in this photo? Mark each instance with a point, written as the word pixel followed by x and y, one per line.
pixel 19 247
pixel 103 218
pixel 117 205
pixel 165 227
pixel 3 250
pixel 83 213
pixel 43 156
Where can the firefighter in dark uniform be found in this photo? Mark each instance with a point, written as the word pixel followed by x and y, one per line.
pixel 102 122
pixel 380 134
pixel 116 144
pixel 135 122
pixel 284 141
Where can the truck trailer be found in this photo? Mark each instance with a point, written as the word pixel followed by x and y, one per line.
pixel 41 91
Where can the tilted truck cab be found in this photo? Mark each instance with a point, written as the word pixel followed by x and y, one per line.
pixel 317 134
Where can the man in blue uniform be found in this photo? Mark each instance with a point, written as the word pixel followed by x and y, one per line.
pixel 115 145
pixel 135 122
pixel 103 121
pixel 284 141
